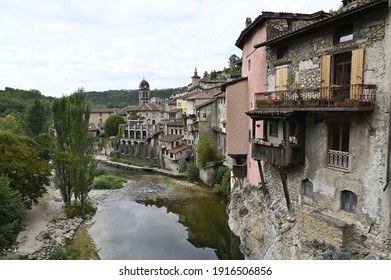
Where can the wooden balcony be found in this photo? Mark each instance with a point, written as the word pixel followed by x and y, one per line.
pixel 360 97
pixel 281 155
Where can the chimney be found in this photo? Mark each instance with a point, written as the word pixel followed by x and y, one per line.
pixel 248 21
pixel 350 4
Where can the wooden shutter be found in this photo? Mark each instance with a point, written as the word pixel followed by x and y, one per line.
pixel 356 78
pixel 325 76
pixel 282 77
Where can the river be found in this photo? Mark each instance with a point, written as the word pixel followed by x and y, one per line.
pixel 159 217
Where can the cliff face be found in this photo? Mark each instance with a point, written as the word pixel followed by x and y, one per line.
pixel 268 231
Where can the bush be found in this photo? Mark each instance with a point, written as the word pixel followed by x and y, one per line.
pixel 108 182
pixel 192 172
pixel 61 252
pixel 12 214
pixel 222 178
pixel 75 209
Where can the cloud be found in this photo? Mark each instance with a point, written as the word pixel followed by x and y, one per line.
pixel 58 46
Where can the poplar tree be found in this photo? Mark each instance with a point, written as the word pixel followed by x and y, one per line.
pixel 72 150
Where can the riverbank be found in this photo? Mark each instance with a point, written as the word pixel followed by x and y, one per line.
pixel 106 160
pixel 47 227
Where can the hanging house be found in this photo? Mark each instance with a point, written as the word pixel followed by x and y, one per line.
pixel 326 120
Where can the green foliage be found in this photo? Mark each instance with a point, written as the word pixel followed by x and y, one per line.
pixel 133 162
pixel 12 214
pixel 72 149
pixel 11 124
pixel 36 118
pixel 108 182
pixel 222 177
pixel 60 252
pixel 112 123
pixel 233 60
pixel 22 164
pixel 18 100
pixel 207 151
pixel 124 97
pixel 78 209
pixel 192 172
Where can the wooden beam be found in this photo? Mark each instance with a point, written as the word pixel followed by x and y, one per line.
pixel 285 187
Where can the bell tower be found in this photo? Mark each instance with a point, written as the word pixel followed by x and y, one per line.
pixel 143 93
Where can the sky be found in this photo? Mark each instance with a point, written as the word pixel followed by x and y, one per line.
pixel 58 46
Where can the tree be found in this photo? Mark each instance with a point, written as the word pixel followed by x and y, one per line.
pixel 112 123
pixel 27 171
pixel 72 150
pixel 233 60
pixel 207 151
pixel 36 118
pixel 12 214
pixel 11 124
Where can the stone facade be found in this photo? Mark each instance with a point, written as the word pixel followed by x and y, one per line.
pixel 301 212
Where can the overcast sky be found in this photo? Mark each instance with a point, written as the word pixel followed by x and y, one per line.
pixel 57 46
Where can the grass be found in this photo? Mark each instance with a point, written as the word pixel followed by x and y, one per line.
pixel 134 162
pixel 108 182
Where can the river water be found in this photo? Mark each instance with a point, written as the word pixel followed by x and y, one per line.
pixel 156 217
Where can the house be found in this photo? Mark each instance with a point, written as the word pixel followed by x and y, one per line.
pixel 240 92
pixel 325 137
pixel 98 117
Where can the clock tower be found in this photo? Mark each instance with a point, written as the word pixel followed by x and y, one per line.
pixel 143 93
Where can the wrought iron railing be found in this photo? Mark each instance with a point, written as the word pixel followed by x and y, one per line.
pixel 338 159
pixel 360 95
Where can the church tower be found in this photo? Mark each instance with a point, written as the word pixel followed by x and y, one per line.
pixel 143 93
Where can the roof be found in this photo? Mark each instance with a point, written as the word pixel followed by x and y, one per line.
pixel 202 95
pixel 144 107
pixel 264 16
pixel 103 110
pixel 324 23
pixel 176 123
pixel 180 148
pixel 143 84
pixel 224 86
pixel 204 104
pixel 170 138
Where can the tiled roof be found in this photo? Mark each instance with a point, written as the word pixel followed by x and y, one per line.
pixel 325 22
pixel 170 138
pixel 180 148
pixel 176 123
pixel 103 110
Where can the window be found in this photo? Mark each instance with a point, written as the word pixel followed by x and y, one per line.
pixel 342 75
pixel 273 128
pixel 307 188
pixel 282 51
pixel 344 33
pixel 338 153
pixel 348 201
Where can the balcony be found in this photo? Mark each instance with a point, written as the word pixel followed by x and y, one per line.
pixel 281 155
pixel 338 159
pixel 361 97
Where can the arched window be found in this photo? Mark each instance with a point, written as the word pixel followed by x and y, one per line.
pixel 307 187
pixel 348 201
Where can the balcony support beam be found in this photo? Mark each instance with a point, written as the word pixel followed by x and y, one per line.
pixel 263 184
pixel 284 180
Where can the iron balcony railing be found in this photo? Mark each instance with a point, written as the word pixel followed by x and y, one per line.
pixel 338 159
pixel 359 95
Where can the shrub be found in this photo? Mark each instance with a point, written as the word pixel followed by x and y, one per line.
pixel 192 172
pixel 12 214
pixel 108 182
pixel 223 181
pixel 75 209
pixel 60 252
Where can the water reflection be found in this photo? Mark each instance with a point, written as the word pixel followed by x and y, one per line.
pixel 195 228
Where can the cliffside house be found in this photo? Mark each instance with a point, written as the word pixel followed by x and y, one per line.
pixel 240 92
pixel 326 114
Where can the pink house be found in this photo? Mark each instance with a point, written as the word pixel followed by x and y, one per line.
pixel 241 92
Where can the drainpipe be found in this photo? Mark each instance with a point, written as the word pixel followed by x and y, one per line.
pixel 388 152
